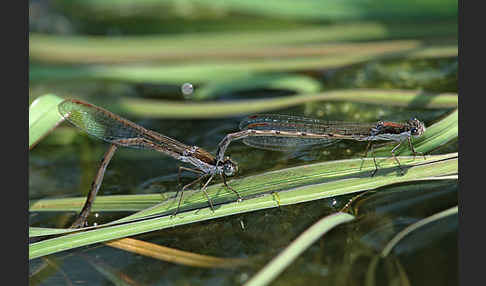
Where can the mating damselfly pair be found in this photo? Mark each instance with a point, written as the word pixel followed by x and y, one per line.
pixel 268 131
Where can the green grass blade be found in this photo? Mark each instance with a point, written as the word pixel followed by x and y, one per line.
pixel 395 240
pixel 47 116
pixel 297 247
pixel 103 203
pixel 203 72
pixel 337 178
pixel 43 231
pixel 314 181
pixel 298 11
pixel 150 108
pixel 294 185
pixel 43 117
pixel 297 83
pixel 96 49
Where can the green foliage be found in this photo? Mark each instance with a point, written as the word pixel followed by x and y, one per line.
pixel 379 57
pixel 43 117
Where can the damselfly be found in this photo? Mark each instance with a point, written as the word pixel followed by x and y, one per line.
pixel 118 131
pixel 284 132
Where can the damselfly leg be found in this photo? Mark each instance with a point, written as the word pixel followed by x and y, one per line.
pixel 368 147
pixel 228 186
pixel 95 186
pixel 182 193
pixel 396 159
pixel 203 188
pixel 182 168
pixel 413 149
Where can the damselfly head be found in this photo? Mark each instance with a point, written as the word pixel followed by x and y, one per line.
pixel 417 127
pixel 230 168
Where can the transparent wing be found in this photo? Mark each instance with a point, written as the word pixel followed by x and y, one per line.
pixel 303 124
pixel 286 143
pixel 295 124
pixel 111 128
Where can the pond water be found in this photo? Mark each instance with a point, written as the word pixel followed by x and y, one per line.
pixel 342 257
pixel 65 162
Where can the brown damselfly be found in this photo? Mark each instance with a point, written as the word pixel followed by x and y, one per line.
pixel 118 131
pixel 285 132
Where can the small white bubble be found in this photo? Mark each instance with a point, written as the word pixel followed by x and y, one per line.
pixel 243 277
pixel 187 88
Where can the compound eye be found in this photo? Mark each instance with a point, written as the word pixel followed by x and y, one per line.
pixel 229 169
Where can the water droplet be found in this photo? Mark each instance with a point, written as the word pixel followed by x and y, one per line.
pixel 187 88
pixel 243 277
